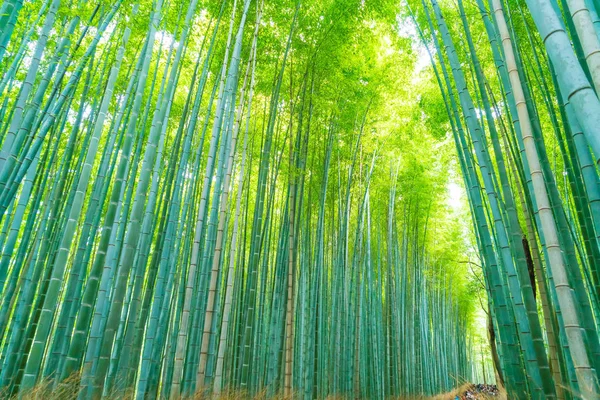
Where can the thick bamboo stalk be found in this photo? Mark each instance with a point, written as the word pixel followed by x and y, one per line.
pixel 586 377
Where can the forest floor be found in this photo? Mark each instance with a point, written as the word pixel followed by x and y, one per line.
pixel 470 391
pixel 70 390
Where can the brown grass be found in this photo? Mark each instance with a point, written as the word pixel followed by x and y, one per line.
pixel 456 392
pixel 69 390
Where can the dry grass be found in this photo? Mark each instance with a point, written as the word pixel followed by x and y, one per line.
pixel 69 390
pixel 462 389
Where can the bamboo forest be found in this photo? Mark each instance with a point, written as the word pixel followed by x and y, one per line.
pixel 299 199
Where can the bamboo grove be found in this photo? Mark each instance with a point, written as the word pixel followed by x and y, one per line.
pixel 209 196
pixel 525 117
